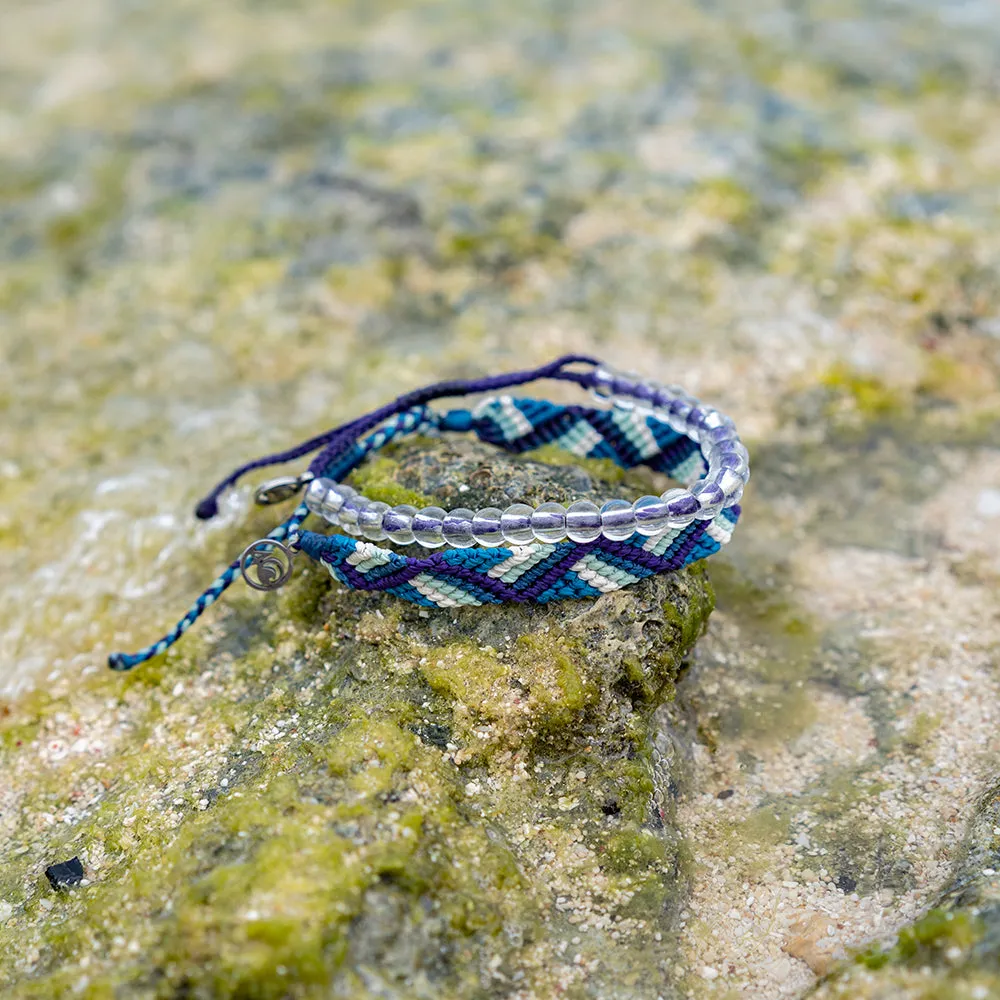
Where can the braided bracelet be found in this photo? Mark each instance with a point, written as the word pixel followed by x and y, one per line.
pixel 521 553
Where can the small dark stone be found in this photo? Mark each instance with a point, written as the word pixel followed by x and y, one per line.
pixel 726 793
pixel 846 884
pixel 65 873
pixel 611 807
pixel 438 736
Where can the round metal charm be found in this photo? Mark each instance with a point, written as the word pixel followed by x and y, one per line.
pixel 266 564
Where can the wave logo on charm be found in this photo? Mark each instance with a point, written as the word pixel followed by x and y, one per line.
pixel 267 564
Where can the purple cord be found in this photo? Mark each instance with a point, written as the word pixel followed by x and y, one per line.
pixel 343 436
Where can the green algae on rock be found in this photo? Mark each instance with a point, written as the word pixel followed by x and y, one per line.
pixel 398 803
pixel 950 952
pixel 265 218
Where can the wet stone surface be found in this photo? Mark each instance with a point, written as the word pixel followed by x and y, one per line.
pixel 368 796
pixel 226 227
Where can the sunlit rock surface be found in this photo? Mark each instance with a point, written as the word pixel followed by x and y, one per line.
pixel 225 227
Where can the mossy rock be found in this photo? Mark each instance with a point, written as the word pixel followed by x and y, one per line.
pixel 339 794
pixel 950 952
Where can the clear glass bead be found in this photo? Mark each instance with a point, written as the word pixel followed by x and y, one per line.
pixel 710 499
pixel 315 492
pixel 681 507
pixel 515 523
pixel 705 420
pixel 457 527
pixel 732 447
pixel 427 527
pixel 370 520
pixel 336 496
pixel 583 521
pixel 693 423
pixel 731 484
pixel 350 512
pixel 714 439
pixel 677 412
pixel 618 520
pixel 732 461
pixel 713 420
pixel 651 516
pixel 486 527
pixel 398 524
pixel 548 522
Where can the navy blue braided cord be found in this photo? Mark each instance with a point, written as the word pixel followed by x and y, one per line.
pixel 340 439
pixel 536 572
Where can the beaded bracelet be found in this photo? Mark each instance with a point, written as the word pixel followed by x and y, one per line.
pixel 524 554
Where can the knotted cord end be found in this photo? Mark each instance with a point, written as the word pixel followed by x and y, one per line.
pixel 207 509
pixel 122 662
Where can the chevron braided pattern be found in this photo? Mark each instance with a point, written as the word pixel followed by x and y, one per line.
pixel 627 437
pixel 535 573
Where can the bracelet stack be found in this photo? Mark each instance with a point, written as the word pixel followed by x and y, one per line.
pixel 516 553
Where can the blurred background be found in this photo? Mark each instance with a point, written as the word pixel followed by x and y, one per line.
pixel 227 226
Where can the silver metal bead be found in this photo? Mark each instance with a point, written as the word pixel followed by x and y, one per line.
pixel 281 488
